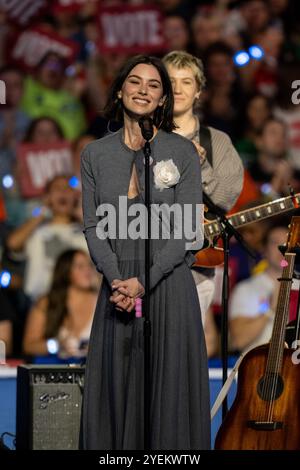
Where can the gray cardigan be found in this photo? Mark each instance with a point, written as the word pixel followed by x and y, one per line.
pixel 106 167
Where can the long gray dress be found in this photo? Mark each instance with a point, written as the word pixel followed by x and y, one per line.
pixel 113 413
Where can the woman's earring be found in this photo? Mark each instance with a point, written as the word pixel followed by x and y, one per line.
pixel 119 96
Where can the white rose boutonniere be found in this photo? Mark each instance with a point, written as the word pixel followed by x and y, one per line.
pixel 166 174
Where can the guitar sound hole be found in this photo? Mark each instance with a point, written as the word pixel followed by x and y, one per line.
pixel 270 387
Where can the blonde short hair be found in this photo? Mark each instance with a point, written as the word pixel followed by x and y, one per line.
pixel 182 59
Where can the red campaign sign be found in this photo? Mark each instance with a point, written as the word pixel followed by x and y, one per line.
pixel 32 44
pixel 22 11
pixel 40 163
pixel 131 29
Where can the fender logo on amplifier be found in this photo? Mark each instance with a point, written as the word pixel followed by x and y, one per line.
pixel 46 398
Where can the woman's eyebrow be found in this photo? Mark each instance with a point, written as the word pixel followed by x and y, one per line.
pixel 150 79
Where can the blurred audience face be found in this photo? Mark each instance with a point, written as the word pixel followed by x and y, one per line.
pixel 277 7
pixel 51 72
pixel 176 33
pixel 220 69
pixel 271 40
pixel 61 197
pixel 14 87
pixel 258 112
pixel 185 88
pixel 167 5
pixel 65 19
pixel 206 31
pixel 112 63
pixel 273 140
pixel 45 132
pixel 277 236
pixel 253 234
pixel 256 15
pixel 82 274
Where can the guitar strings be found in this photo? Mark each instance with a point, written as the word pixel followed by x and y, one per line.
pixel 283 305
pixel 286 297
pixel 280 353
pixel 272 377
pixel 267 384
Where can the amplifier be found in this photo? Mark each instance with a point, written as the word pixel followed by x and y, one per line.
pixel 49 407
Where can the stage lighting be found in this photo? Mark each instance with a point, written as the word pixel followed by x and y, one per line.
pixel 52 346
pixel 256 52
pixel 5 278
pixel 74 182
pixel 266 188
pixel 36 211
pixel 264 306
pixel 7 181
pixel 241 58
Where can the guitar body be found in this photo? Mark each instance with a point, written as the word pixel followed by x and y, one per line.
pixel 236 433
pixel 210 257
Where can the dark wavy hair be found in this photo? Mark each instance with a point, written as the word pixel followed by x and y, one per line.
pixel 57 309
pixel 163 115
pixel 34 124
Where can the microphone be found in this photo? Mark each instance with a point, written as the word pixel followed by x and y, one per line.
pixel 146 125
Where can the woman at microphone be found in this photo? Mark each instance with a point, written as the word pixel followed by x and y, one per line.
pixel 113 172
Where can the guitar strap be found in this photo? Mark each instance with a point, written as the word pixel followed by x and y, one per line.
pixel 205 142
pixel 225 389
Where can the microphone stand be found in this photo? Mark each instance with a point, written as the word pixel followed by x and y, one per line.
pixel 147 133
pixel 227 231
pixel 147 322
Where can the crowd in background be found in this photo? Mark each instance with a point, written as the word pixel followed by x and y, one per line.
pixel 48 286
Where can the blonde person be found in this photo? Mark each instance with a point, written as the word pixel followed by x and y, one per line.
pixel 221 167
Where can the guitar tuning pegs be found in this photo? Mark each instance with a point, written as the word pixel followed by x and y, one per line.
pixel 291 189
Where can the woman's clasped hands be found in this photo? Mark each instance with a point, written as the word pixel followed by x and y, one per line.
pixel 125 293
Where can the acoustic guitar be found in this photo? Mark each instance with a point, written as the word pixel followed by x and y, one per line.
pixel 265 414
pixel 212 254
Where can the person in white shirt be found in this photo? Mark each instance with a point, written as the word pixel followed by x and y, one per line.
pixel 44 237
pixel 253 301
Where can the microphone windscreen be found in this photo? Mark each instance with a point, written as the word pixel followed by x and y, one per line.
pixel 146 125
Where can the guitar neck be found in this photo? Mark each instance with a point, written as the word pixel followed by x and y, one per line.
pixel 285 204
pixel 281 316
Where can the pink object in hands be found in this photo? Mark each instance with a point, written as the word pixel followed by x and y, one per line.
pixel 284 263
pixel 138 307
